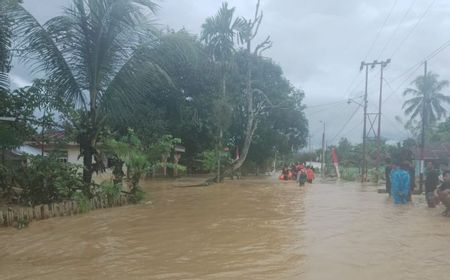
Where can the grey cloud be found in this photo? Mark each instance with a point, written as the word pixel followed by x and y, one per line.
pixel 320 45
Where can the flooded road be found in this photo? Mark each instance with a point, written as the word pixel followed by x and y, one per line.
pixel 248 229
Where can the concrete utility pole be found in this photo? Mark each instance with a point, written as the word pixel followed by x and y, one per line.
pixel 380 101
pixel 422 136
pixel 363 163
pixel 322 165
pixel 366 65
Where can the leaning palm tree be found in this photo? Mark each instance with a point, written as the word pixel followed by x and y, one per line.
pixel 427 99
pixel 98 54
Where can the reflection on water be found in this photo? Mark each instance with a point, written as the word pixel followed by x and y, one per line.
pixel 249 229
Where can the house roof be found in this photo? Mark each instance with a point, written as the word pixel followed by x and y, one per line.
pixel 433 151
pixel 27 150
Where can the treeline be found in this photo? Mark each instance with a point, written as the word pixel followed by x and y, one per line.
pixel 110 75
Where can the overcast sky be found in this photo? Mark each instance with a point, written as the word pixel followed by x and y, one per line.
pixel 320 45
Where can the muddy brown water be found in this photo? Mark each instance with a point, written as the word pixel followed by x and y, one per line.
pixel 249 229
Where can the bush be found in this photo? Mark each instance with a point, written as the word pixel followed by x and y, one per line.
pixel 349 174
pixel 137 195
pixel 47 180
pixel 209 160
pixel 7 176
pixel 82 201
pixel 109 190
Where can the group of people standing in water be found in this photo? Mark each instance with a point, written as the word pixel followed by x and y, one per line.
pixel 400 184
pixel 299 172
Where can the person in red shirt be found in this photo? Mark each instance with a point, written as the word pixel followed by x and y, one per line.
pixel 310 176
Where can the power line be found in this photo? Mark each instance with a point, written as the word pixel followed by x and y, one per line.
pixel 394 91
pixel 345 124
pixel 326 104
pixel 377 36
pixel 414 27
pixel 410 71
pixel 397 27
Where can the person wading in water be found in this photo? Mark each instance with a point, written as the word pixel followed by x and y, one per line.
pixel 431 182
pixel 400 184
pixel 443 192
pixel 387 174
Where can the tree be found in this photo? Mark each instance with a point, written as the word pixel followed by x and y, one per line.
pixel 97 53
pixel 441 133
pixel 427 99
pixel 220 32
pixel 6 23
pixel 282 127
pixel 19 105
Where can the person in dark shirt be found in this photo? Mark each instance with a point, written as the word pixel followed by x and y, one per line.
pixel 431 182
pixel 387 174
pixel 443 192
pixel 412 176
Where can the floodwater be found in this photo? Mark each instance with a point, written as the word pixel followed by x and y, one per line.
pixel 248 229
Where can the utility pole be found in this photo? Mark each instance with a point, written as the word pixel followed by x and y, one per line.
pixel 322 165
pixel 422 142
pixel 363 163
pixel 383 65
pixel 364 167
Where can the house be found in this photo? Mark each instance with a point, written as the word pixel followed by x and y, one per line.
pixel 15 157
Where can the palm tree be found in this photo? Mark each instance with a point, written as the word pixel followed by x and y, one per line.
pixel 427 99
pixel 5 43
pixel 220 33
pixel 99 54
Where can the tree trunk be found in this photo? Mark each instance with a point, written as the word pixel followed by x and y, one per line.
pixel 87 150
pixel 251 121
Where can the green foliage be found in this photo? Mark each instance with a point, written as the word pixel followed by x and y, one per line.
pixel 82 201
pixel 129 149
pixel 427 97
pixel 20 104
pixel 22 223
pixel 110 191
pixel 163 146
pixel 441 133
pixel 7 182
pixel 137 195
pixel 166 87
pixel 47 180
pixel 209 160
pixel 349 173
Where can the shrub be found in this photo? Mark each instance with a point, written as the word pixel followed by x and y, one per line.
pixel 82 201
pixel 109 190
pixel 47 180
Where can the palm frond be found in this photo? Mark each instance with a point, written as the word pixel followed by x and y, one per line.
pixel 5 44
pixel 42 53
pixel 146 71
pixel 411 108
pixel 415 101
pixel 411 91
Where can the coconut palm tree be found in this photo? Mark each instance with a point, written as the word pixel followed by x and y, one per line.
pixel 5 43
pixel 99 54
pixel 427 99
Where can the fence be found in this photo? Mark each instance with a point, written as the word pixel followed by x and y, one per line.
pixel 21 216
